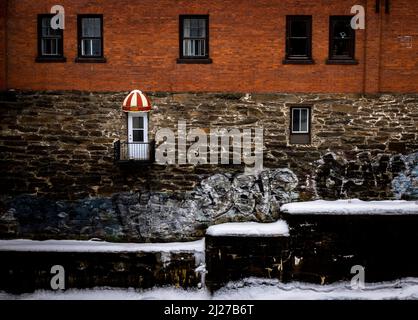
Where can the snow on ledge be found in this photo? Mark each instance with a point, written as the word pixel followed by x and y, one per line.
pixel 246 289
pixel 98 246
pixel 352 207
pixel 249 229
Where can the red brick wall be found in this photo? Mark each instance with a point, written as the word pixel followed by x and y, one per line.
pixel 3 41
pixel 399 65
pixel 247 44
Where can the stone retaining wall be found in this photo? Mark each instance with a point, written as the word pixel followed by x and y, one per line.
pixel 60 144
pixel 320 249
pixel 29 271
pixel 57 153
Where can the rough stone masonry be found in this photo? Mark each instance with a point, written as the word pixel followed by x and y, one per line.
pixel 58 175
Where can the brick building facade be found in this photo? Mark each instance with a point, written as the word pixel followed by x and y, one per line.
pixel 247 47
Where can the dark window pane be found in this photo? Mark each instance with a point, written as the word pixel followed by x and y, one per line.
pixel 138 135
pixel 342 29
pixel 138 122
pixel 86 47
pixel 47 30
pixel 298 42
pixel 298 47
pixel 295 120
pixel 91 27
pixel 96 47
pixel 50 47
pixel 46 22
pixel 342 38
pixel 298 28
pixel 341 48
pixel 186 28
pixel 91 47
pixel 194 28
pixel 46 27
pixel 194 47
pixel 304 120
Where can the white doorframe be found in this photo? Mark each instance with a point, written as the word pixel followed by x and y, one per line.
pixel 132 115
pixel 138 151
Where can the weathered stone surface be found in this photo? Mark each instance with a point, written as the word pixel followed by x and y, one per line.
pixel 366 176
pixel 405 185
pixel 326 247
pixel 59 146
pixel 22 272
pixel 235 258
pixel 73 132
pixel 153 216
pixel 320 249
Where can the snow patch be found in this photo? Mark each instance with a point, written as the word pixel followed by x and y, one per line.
pixel 247 289
pixel 266 289
pixel 352 206
pixel 249 229
pixel 95 246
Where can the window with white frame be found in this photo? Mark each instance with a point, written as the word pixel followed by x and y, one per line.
pixel 194 38
pixel 90 36
pixel 300 120
pixel 300 125
pixel 50 41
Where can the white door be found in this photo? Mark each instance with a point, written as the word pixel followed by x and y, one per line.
pixel 138 148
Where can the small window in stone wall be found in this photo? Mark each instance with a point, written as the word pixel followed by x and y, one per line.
pixel 300 125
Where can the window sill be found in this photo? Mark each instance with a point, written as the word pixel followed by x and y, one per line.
pixel 342 61
pixel 194 61
pixel 300 138
pixel 50 59
pixel 90 60
pixel 298 61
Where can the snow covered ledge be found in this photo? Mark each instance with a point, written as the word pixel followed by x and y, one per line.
pixel 352 207
pixel 99 246
pixel 249 229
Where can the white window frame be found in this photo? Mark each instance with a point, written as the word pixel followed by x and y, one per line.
pixel 132 115
pixel 300 119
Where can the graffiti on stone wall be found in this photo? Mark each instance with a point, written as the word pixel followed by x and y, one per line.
pixel 154 216
pixel 367 177
pixel 219 198
pixel 405 185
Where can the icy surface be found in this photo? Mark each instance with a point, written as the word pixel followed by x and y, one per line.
pixel 248 289
pixel 250 229
pixel 353 206
pixel 99 246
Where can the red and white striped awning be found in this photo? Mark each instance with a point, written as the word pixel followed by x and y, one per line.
pixel 136 101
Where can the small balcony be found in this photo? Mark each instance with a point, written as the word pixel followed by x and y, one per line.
pixel 134 152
